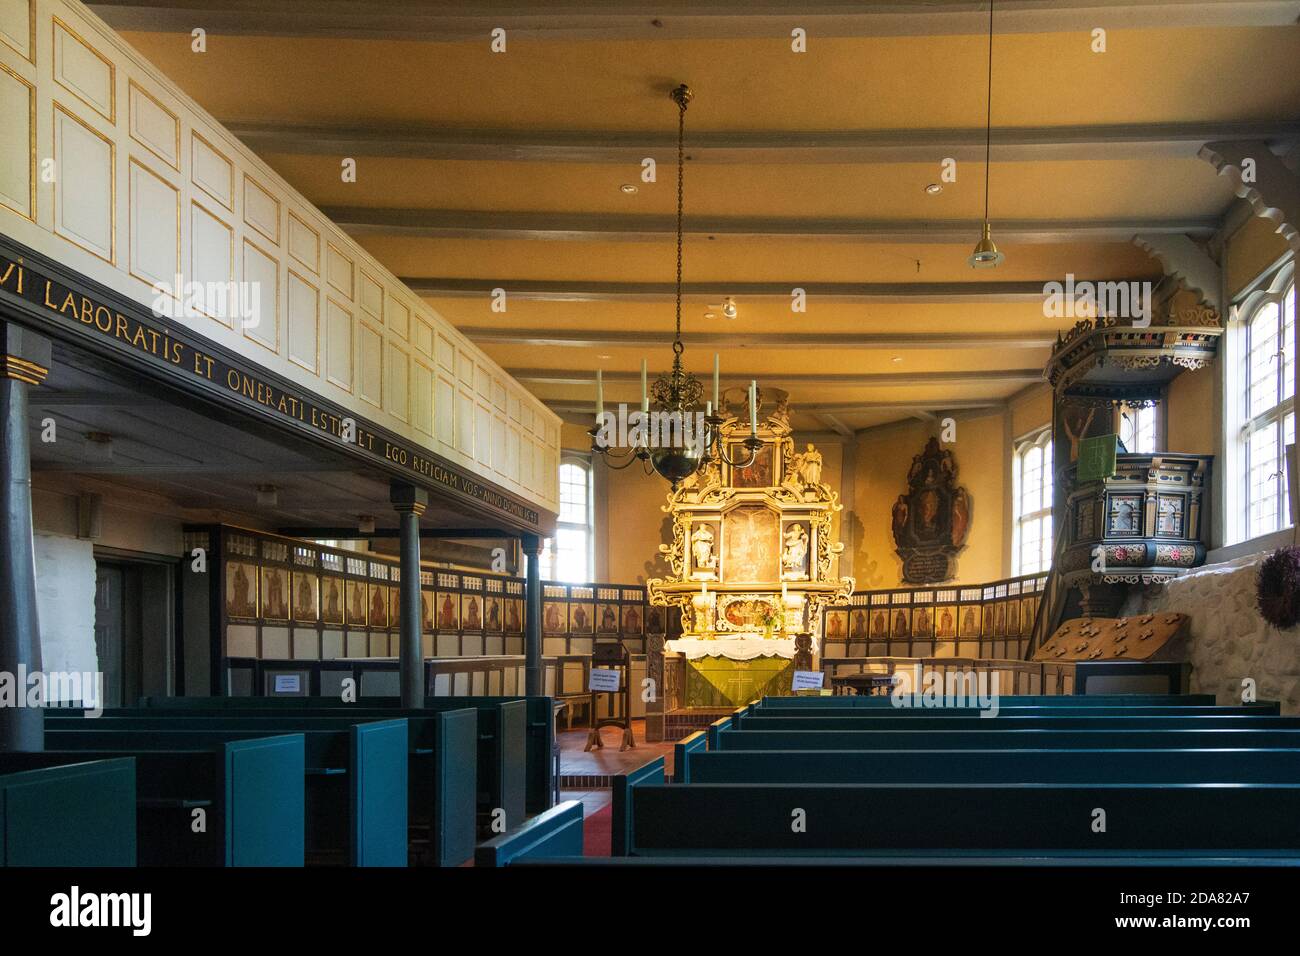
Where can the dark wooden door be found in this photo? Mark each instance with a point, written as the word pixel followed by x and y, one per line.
pixel 110 630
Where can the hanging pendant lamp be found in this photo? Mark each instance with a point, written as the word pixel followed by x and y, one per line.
pixel 986 254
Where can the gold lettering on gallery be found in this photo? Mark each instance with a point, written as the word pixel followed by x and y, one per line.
pixel 4 280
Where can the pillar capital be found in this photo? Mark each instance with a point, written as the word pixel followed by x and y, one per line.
pixel 24 355
pixel 408 499
pixel 531 544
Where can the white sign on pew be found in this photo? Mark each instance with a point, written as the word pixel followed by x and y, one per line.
pixel 288 684
pixel 807 680
pixel 603 679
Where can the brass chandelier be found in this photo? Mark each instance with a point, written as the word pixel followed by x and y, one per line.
pixel 677 393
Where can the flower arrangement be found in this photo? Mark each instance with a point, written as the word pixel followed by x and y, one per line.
pixel 1277 588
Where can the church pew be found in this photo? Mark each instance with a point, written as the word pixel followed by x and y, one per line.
pixel 516 737
pixel 1269 709
pixel 1007 700
pixel 992 739
pixel 78 814
pixel 554 834
pixel 251 792
pixel 989 766
pixel 684 750
pixel 356 777
pixel 441 752
pixel 1000 722
pixel 715 820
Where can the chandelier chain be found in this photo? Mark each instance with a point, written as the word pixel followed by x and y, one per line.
pixel 681 176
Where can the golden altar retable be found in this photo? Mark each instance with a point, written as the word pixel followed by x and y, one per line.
pixel 752 557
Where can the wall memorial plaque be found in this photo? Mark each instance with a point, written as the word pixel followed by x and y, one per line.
pixel 932 519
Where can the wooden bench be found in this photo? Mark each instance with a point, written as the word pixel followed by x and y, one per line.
pixel 78 814
pixel 1070 721
pixel 984 739
pixel 988 766
pixel 1010 700
pixel 516 763
pixel 251 793
pixel 441 750
pixel 356 781
pixel 858 820
pixel 557 833
pixel 1270 709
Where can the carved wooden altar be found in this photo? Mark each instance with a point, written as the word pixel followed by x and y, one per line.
pixel 753 548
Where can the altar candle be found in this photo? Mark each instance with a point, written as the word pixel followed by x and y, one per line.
pixel 600 394
pixel 704 587
pixel 783 594
pixel 708 409
pixel 645 395
pixel 753 407
pixel 716 369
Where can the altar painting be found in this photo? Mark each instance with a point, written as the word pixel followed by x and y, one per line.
pixel 748 535
pixel 758 474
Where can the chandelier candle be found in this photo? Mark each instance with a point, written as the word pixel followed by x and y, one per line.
pixel 645 395
pixel 716 369
pixel 753 407
pixel 600 394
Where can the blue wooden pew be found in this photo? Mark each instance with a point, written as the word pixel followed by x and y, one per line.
pixel 983 739
pixel 1008 700
pixel 862 820
pixel 250 791
pixel 441 753
pixel 78 814
pixel 1268 709
pixel 748 722
pixel 554 834
pixel 357 780
pixel 987 766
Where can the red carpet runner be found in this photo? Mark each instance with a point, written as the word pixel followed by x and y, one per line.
pixel 596 830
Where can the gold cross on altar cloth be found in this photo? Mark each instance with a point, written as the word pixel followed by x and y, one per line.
pixel 743 679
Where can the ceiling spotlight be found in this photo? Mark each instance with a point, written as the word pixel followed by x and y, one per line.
pixel 604 358
pixel 934 189
pixel 729 307
pixel 268 496
pixel 630 188
pixel 986 254
pixel 366 524
pixel 896 358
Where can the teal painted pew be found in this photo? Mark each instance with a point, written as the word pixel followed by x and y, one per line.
pixel 557 833
pixel 516 760
pixel 357 780
pixel 729 739
pixel 684 751
pixel 988 766
pixel 441 753
pixel 251 792
pixel 715 820
pixel 1008 700
pixel 1051 722
pixel 1270 709
pixel 74 815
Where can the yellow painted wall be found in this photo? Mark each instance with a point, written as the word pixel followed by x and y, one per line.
pixel 1249 251
pixel 1192 417
pixel 884 456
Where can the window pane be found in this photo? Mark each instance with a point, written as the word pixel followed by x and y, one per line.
pixel 1262 480
pixel 1288 338
pixel 1262 389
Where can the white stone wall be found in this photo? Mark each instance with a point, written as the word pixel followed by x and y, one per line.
pixel 1229 640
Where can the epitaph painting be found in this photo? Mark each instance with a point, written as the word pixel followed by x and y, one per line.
pixel 932 519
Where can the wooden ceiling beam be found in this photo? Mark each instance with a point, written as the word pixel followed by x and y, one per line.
pixel 451 20
pixel 585 377
pixel 465 224
pixel 578 290
pixel 786 147
pixel 612 338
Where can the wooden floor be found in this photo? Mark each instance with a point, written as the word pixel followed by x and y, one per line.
pixel 585 772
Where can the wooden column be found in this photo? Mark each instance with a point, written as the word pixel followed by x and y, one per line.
pixel 24 361
pixel 410 503
pixel 533 682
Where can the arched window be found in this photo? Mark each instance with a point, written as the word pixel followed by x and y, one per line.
pixel 1261 412
pixel 567 556
pixel 1031 473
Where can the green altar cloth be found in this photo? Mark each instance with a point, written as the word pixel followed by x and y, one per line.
pixel 722 682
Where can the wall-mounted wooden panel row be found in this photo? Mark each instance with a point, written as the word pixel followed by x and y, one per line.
pixel 128 181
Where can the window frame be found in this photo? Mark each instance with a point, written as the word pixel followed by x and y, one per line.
pixel 1040 439
pixel 1272 288
pixel 549 560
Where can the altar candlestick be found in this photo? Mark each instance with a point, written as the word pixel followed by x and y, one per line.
pixel 600 394
pixel 753 407
pixel 645 395
pixel 716 369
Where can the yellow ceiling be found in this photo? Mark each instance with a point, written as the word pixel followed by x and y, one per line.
pixel 576 90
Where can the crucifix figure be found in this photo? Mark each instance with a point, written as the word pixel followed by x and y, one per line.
pixel 1078 433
